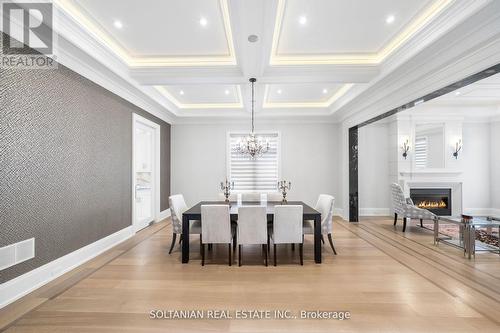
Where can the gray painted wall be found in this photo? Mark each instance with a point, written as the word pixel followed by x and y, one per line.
pixel 65 162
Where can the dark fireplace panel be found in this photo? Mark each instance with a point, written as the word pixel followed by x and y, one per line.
pixel 437 200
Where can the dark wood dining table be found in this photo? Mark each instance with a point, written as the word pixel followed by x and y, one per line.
pixel 194 213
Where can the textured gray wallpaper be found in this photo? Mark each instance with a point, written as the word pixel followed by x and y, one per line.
pixel 65 162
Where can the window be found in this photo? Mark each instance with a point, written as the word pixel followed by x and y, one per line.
pixel 254 175
pixel 421 152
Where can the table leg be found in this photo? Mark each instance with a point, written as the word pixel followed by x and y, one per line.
pixel 436 231
pixel 472 241
pixel 185 239
pixel 317 239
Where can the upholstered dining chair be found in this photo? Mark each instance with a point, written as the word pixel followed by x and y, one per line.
pixel 252 228
pixel 287 227
pixel 324 205
pixel 405 207
pixel 177 208
pixel 216 228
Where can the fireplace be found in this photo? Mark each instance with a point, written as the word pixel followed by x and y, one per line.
pixel 436 200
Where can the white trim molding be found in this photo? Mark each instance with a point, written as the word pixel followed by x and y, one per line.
pixel 20 286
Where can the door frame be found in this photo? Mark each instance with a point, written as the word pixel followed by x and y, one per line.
pixel 156 170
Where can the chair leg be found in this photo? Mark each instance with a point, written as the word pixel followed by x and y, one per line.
pixel 331 243
pixel 173 243
pixel 203 254
pixel 293 247
pixel 239 255
pixel 235 240
pixel 404 224
pixel 265 252
pixel 180 239
pixel 422 223
pixel 395 218
pixel 274 254
pixel 322 239
pixel 229 247
pixel 301 253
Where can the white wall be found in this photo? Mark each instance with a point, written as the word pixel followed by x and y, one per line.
pixel 495 166
pixel 476 167
pixel 309 159
pixel 373 176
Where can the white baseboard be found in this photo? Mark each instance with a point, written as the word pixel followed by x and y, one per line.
pixel 482 211
pixel 22 285
pixel 374 212
pixel 163 215
pixel 338 212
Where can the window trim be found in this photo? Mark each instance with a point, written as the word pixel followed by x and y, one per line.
pixel 228 156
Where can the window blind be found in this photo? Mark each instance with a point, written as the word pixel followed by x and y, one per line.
pixel 421 152
pixel 254 175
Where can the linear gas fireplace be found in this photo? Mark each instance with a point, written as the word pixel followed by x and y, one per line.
pixel 437 200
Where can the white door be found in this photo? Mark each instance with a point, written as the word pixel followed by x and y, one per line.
pixel 145 172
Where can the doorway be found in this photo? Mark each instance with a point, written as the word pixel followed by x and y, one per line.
pixel 145 172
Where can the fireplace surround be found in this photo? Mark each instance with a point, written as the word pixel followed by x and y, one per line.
pixel 436 200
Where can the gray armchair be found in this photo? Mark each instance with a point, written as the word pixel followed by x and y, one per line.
pixel 405 207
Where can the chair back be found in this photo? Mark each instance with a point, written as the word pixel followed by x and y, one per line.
pixel 287 224
pixel 274 196
pixel 252 225
pixel 398 199
pixel 177 207
pixel 251 196
pixel 325 207
pixel 215 224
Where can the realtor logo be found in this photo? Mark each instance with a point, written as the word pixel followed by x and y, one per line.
pixel 28 37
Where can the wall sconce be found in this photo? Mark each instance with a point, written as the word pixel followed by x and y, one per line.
pixel 458 147
pixel 406 148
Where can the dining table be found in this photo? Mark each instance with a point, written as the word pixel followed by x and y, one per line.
pixel 194 213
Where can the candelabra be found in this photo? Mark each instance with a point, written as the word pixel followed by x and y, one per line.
pixel 227 186
pixel 284 186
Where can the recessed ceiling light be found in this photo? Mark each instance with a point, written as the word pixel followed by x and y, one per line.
pixel 457 93
pixel 303 20
pixel 118 24
pixel 325 91
pixel 181 92
pixel 203 22
pixel 390 19
pixel 279 91
pixel 226 92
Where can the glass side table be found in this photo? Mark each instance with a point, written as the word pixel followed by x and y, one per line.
pixel 466 239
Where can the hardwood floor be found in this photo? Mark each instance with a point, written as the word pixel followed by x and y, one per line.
pixel 389 281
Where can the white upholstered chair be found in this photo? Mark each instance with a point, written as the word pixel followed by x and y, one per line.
pixel 252 228
pixel 216 228
pixel 405 208
pixel 287 227
pixel 274 196
pixel 177 208
pixel 324 205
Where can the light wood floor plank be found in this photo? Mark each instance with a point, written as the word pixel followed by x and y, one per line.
pixel 389 282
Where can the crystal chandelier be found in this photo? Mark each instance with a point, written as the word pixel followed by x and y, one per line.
pixel 252 145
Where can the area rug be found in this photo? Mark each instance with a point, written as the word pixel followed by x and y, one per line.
pixel 452 230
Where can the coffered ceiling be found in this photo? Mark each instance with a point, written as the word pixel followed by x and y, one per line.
pixel 195 57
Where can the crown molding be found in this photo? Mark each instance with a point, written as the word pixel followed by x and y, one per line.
pixel 469 48
pixel 457 13
pixel 102 37
pixel 408 32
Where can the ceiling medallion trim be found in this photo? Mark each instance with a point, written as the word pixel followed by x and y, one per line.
pixel 239 105
pixel 275 105
pixel 357 58
pixel 105 39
